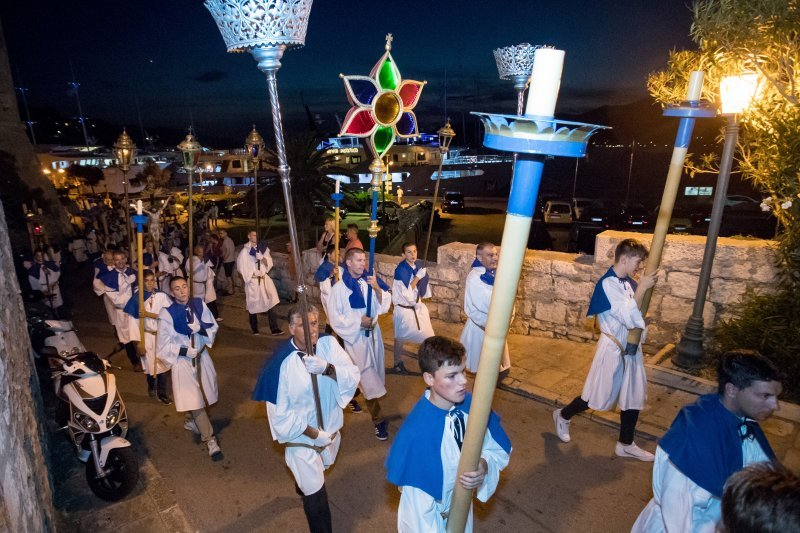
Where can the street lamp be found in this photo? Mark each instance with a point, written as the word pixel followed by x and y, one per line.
pixel 125 150
pixel 446 134
pixel 736 92
pixel 515 63
pixel 254 145
pixel 190 151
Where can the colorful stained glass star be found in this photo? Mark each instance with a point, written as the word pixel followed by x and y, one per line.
pixel 382 104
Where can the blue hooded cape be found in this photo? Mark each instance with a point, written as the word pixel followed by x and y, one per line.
pixel 356 298
pixel 180 316
pixel 405 273
pixel 132 307
pixel 599 302
pixel 268 379
pixel 704 443
pixel 415 457
pixel 36 269
pixel 323 272
pixel 111 280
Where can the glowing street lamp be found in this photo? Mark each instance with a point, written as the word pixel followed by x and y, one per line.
pixel 446 135
pixel 736 92
pixel 125 150
pixel 254 145
pixel 190 152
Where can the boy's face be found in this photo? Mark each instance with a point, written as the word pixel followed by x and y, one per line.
pixel 628 265
pixel 180 290
pixel 758 401
pixel 448 385
pixel 149 283
pixel 352 234
pixel 410 254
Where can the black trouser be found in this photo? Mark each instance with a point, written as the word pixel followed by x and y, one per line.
pixel 271 317
pixel 318 512
pixel 212 306
pixel 627 418
pixel 159 383
pixel 130 351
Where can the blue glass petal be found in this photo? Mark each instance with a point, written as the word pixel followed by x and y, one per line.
pixel 407 125
pixel 363 90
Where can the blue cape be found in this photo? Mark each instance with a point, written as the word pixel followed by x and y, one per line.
pixel 415 458
pixel 261 248
pixel 36 269
pixel 132 307
pixel 599 302
pixel 476 263
pixel 323 272
pixel 111 280
pixel 268 379
pixel 405 273
pixel 147 259
pixel 180 316
pixel 704 443
pixel 356 298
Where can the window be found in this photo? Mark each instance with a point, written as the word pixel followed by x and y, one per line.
pixel 420 156
pixel 236 163
pixel 355 159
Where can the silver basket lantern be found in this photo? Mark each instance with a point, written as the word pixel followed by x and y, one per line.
pixel 248 24
pixel 515 63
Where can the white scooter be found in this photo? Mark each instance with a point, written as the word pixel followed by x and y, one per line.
pixel 93 414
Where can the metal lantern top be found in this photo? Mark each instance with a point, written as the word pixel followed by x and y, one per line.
pixel 515 62
pixel 190 149
pixel 446 134
pixel 125 150
pixel 254 144
pixel 249 24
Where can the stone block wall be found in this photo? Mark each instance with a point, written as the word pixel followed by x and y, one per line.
pixel 555 287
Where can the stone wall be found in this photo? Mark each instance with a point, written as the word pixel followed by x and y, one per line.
pixel 555 287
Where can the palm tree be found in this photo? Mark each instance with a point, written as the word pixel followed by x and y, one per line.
pixel 310 184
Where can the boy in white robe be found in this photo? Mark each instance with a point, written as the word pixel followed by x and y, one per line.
pixel 203 279
pixel 116 287
pixel 254 263
pixel 285 385
pixel 325 275
pixel 186 331
pixel 709 441
pixel 43 276
pixel 155 369
pixel 616 377
pixel 423 460
pixel 360 331
pixel 170 259
pixel 412 321
pixel 477 296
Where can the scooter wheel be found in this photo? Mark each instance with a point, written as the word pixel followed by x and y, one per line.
pixel 122 478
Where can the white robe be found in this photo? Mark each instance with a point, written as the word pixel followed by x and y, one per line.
pixel 202 279
pixel 366 352
pixel 680 505
pixel 325 287
pixel 477 296
pixel 405 323
pixel 611 379
pixel 115 301
pixel 47 283
pixel 294 410
pixel 157 301
pixel 166 269
pixel 78 249
pixel 419 512
pixel 185 385
pixel 259 289
pixel 99 289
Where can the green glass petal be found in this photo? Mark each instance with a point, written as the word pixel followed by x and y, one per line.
pixel 389 76
pixel 384 137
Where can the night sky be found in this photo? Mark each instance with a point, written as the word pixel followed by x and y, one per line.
pixel 169 57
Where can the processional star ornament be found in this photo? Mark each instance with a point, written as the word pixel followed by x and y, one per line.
pixel 382 103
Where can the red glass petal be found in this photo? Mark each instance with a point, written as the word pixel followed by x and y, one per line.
pixel 358 122
pixel 410 91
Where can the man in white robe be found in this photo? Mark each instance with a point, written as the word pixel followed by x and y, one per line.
pixel 412 320
pixel 285 385
pixel 43 276
pixel 325 275
pixel 116 287
pixel 360 331
pixel 477 296
pixel 203 280
pixel 708 442
pixel 616 378
pixel 170 259
pixel 254 263
pixel 186 331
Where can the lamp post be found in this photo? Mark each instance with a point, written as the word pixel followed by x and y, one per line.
pixel 190 150
pixel 254 145
pixel 446 135
pixel 280 25
pixel 736 93
pixel 515 63
pixel 124 150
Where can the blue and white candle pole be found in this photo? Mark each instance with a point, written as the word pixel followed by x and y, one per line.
pixel 377 168
pixel 533 136
pixel 688 111
pixel 140 220
pixel 337 198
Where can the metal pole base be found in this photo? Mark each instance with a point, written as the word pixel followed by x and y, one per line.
pixel 690 352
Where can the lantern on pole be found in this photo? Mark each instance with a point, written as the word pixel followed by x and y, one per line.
pixel 446 135
pixel 125 151
pixel 254 146
pixel 190 152
pixel 515 63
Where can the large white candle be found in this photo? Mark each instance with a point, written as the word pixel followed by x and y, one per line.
pixel 138 207
pixel 695 86
pixel 337 186
pixel 545 82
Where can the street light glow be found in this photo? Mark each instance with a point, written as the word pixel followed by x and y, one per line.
pixel 737 92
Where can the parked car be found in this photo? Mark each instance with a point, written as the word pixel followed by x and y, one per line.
pixel 733 200
pixel 578 205
pixel 453 202
pixel 746 218
pixel 557 212
pixel 241 210
pixel 594 220
pixel 629 216
pixel 389 210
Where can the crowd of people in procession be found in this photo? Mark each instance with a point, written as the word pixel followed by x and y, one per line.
pixel 714 468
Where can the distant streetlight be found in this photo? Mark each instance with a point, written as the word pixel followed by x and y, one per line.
pixel 254 145
pixel 190 150
pixel 446 135
pixel 736 92
pixel 125 150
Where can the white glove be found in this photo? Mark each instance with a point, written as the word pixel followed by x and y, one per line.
pixel 131 278
pixel 323 440
pixel 421 273
pixel 314 364
pixel 259 256
pixel 194 326
pixel 191 352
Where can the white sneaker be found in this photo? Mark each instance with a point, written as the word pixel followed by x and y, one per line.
pixel 562 426
pixel 191 425
pixel 634 452
pixel 213 448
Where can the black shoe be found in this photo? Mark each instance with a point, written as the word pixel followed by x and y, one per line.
pixel 276 332
pixel 163 398
pixel 400 368
pixel 151 393
pixel 355 407
pixel 381 430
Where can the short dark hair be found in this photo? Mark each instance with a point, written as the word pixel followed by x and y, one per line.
pixel 147 272
pixel 483 245
pixel 436 351
pixel 330 248
pixel 352 226
pixel 407 244
pixel 297 310
pixel 353 251
pixel 761 498
pixel 176 278
pixel 630 247
pixel 741 368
